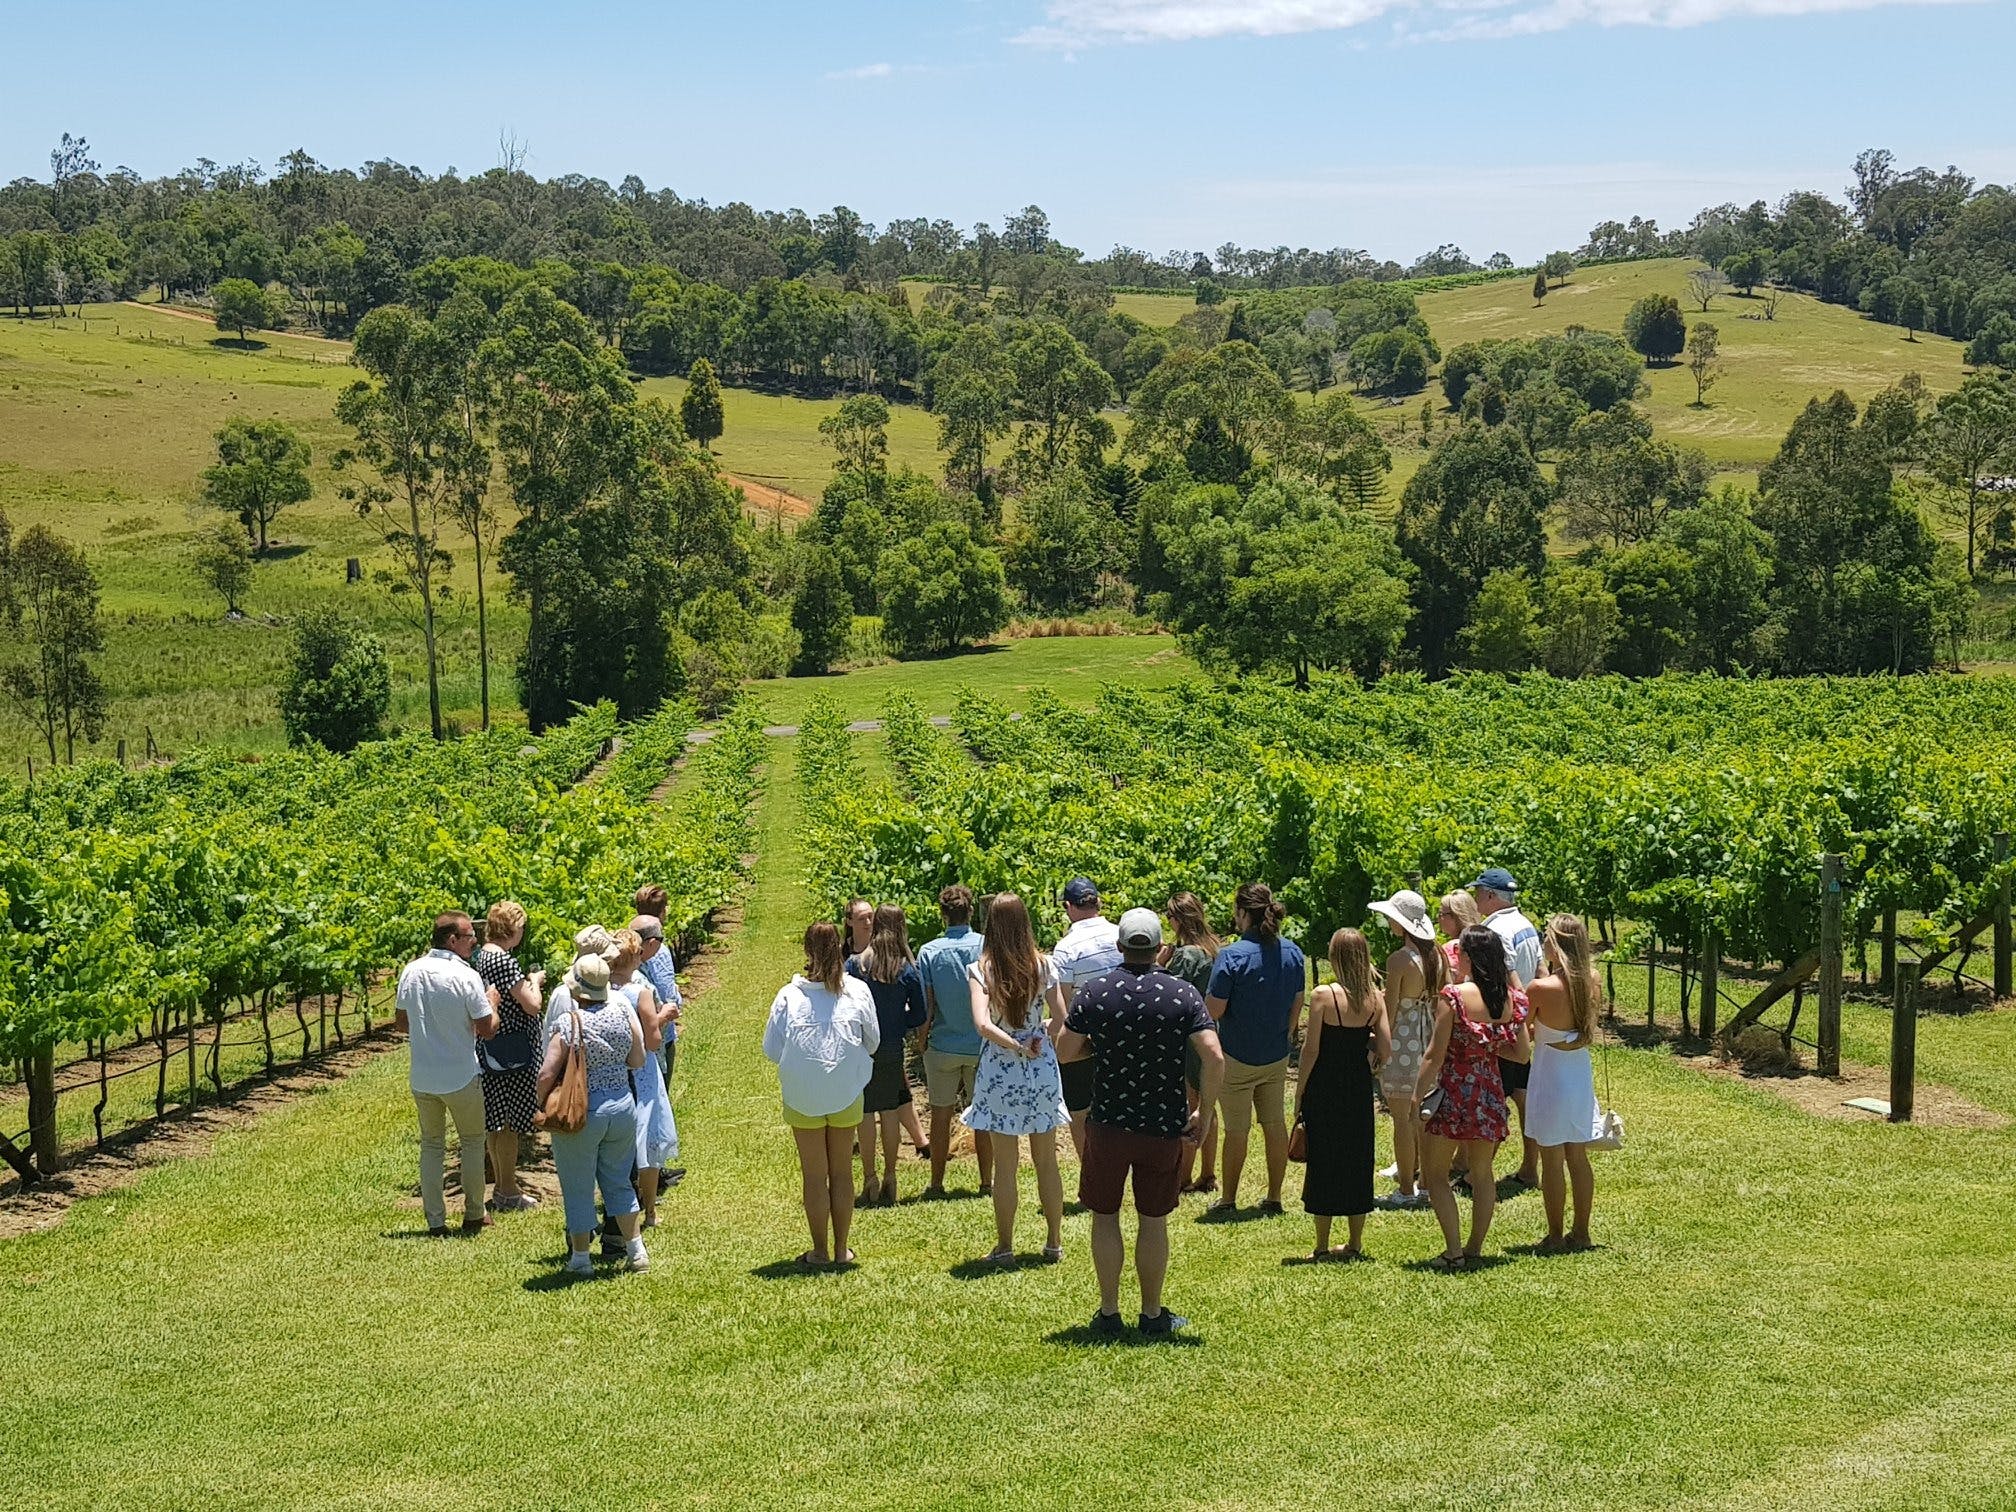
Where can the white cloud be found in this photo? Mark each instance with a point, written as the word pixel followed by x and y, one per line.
pixel 865 71
pixel 1081 23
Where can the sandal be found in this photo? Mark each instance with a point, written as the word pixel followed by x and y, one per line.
pixel 1449 1264
pixel 808 1261
pixel 1271 1208
pixel 1001 1257
pixel 1052 1253
pixel 1551 1246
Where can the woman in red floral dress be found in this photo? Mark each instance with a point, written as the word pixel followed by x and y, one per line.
pixel 1473 1019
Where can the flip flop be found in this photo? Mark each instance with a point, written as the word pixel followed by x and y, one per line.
pixel 808 1262
pixel 1449 1265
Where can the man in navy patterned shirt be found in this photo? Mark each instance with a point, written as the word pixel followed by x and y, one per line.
pixel 1134 1021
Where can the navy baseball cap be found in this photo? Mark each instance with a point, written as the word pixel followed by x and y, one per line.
pixel 1081 892
pixel 1497 879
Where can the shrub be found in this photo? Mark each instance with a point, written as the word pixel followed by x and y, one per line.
pixel 338 685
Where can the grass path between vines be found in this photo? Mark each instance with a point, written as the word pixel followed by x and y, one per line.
pixel 1787 1311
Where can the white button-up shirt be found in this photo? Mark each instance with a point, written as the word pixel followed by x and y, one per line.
pixel 443 999
pixel 823 1042
pixel 1522 943
pixel 1090 948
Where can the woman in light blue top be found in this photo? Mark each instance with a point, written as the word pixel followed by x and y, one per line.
pixel 601 1152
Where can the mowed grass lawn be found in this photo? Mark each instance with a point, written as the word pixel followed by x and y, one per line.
pixel 1784 1312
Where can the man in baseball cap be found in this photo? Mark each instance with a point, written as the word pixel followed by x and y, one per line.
pixel 1134 1022
pixel 1497 897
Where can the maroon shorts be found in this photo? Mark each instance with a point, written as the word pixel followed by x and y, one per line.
pixel 1111 1152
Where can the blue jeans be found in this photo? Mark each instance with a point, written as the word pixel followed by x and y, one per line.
pixel 603 1153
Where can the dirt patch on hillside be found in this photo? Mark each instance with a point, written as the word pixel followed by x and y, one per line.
pixel 769 502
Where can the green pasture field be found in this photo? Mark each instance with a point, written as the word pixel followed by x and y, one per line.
pixel 1769 368
pixel 1149 309
pixel 1784 1311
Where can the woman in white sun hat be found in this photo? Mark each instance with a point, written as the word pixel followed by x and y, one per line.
pixel 1414 977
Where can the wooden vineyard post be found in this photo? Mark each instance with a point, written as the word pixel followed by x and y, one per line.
pixel 1830 965
pixel 2002 985
pixel 1904 1042
pixel 1887 974
pixel 1652 982
pixel 1711 985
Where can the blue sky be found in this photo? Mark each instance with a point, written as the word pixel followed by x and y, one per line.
pixel 1390 125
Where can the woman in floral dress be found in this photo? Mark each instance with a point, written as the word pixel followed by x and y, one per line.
pixel 1017 1092
pixel 1474 1018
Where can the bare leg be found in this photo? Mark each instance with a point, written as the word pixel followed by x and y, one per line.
pixel 1483 1192
pixel 647 1194
pixel 1049 1185
pixel 1356 1221
pixel 840 1187
pixel 1078 1134
pixel 503 1145
pixel 892 1146
pixel 628 1224
pixel 983 1158
pixel 1553 1193
pixel 1151 1261
pixel 941 1146
pixel 911 1126
pixel 1190 1150
pixel 1322 1231
pixel 865 1147
pixel 1109 1253
pixel 1006 1193
pixel 1583 1178
pixel 816 1183
pixel 1406 1145
pixel 1529 1152
pixel 1436 1153
pixel 1208 1147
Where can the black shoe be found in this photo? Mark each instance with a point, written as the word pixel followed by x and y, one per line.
pixel 671 1176
pixel 1107 1325
pixel 1163 1324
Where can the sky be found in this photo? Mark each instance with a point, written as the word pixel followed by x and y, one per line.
pixel 1388 125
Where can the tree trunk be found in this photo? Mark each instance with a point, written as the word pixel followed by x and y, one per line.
pixel 42 1108
pixel 423 560
pixel 482 629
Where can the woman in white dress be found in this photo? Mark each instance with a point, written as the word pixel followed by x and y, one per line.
pixel 1414 981
pixel 1561 1101
pixel 1017 1091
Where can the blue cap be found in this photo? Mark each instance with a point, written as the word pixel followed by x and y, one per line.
pixel 1081 892
pixel 1498 880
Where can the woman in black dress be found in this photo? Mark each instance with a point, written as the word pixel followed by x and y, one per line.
pixel 1346 1043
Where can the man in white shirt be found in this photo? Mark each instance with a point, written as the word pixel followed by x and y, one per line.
pixel 1497 896
pixel 1090 948
pixel 445 1009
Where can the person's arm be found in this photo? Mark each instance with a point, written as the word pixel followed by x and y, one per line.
pixel 1210 1081
pixel 552 1066
pixel 1295 1018
pixel 635 1059
pixel 1312 1050
pixel 1438 1047
pixel 482 1007
pixel 773 1030
pixel 1059 998
pixel 1218 991
pixel 915 1010
pixel 983 1021
pixel 1070 1037
pixel 649 1020
pixel 931 1010
pixel 1382 1037
pixel 871 1020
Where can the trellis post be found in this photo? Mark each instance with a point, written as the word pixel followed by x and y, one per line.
pixel 1904 1042
pixel 1830 965
pixel 1711 986
pixel 2002 985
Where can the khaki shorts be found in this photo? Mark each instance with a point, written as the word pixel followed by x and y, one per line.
pixel 948 1079
pixel 1251 1089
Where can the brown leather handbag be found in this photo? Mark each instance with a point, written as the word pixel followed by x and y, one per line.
pixel 1298 1140
pixel 565 1110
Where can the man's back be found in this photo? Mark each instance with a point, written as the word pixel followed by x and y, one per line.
pixel 1088 949
pixel 1138 1019
pixel 442 997
pixel 942 963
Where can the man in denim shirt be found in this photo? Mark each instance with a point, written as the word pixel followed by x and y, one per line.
pixel 951 1044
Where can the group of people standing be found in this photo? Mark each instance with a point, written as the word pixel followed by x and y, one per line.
pixel 488 1046
pixel 1139 1045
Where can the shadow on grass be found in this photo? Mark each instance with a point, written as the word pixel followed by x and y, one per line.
pixel 1216 1214
pixel 1331 1257
pixel 285 553
pixel 420 1233
pixel 559 1278
pixel 1534 1251
pixel 798 1268
pixel 931 1199
pixel 980 1269
pixel 238 344
pixel 1479 1263
pixel 1085 1336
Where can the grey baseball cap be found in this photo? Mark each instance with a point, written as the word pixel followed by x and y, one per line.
pixel 1140 929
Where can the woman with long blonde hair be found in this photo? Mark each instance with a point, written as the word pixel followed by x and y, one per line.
pixel 1017 1092
pixel 1342 1049
pixel 1189 955
pixel 1561 1112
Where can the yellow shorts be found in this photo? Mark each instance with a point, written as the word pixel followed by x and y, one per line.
pixel 846 1118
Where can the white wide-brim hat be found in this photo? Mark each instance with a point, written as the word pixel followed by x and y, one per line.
pixel 1407 909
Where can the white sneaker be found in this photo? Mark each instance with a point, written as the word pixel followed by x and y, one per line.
pixel 1391 1173
pixel 638 1259
pixel 580 1263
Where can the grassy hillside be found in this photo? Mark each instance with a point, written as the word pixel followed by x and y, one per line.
pixel 1149 309
pixel 1769 368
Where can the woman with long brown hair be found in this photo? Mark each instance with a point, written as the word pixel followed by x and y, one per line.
pixel 1017 1093
pixel 1189 956
pixel 1561 1112
pixel 858 919
pixel 1344 1047
pixel 823 1034
pixel 890 971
